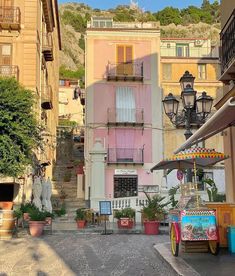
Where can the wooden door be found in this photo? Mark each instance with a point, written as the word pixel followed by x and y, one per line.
pixel 225 219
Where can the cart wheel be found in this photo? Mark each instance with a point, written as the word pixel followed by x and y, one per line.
pixel 214 247
pixel 174 244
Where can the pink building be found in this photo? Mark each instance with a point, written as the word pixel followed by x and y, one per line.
pixel 123 112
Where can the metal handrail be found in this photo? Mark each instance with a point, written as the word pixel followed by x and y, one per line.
pixel 9 71
pixel 10 15
pixel 125 155
pixel 125 115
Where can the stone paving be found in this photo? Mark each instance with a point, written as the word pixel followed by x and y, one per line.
pixel 83 254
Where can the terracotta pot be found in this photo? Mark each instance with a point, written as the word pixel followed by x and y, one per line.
pixel 151 227
pixel 81 223
pixel 26 216
pixel 6 205
pixel 48 220
pixel 36 228
pixel 125 223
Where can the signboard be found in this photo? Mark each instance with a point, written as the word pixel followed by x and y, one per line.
pixel 105 208
pixel 148 188
pixel 198 225
pixel 180 175
pixel 125 172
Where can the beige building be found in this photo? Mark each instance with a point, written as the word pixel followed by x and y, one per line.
pixel 29 51
pixel 201 59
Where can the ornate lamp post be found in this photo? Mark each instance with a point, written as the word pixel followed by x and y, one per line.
pixel 195 110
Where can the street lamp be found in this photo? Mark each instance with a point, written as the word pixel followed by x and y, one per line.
pixel 195 110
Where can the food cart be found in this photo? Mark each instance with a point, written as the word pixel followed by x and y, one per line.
pixel 191 222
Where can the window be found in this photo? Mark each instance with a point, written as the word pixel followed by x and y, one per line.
pixel 166 71
pixel 201 71
pixel 125 105
pixel 124 60
pixel 182 50
pixel 125 186
pixel 5 54
pixel 202 175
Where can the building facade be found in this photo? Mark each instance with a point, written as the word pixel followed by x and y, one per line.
pixel 29 51
pixel 228 79
pixel 123 136
pixel 201 59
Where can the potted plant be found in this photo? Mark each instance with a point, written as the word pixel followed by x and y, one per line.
pixel 48 217
pixel 26 208
pixel 125 218
pixel 153 213
pixel 36 222
pixel 80 217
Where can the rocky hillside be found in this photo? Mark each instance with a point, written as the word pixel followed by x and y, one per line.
pixel 200 22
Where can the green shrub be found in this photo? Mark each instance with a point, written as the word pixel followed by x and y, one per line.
pixel 67 176
pixel 18 213
pixel 37 215
pixel 155 209
pixel 125 213
pixel 27 207
pixel 80 214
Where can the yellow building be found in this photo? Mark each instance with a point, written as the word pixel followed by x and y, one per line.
pixel 29 51
pixel 201 59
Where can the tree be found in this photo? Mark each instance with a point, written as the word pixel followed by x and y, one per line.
pixel 19 131
pixel 169 15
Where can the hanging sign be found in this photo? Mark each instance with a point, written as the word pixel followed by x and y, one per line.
pixel 180 175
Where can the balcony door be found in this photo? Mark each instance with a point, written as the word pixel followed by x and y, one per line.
pixel 6 11
pixel 125 60
pixel 125 105
pixel 125 139
pixel 5 59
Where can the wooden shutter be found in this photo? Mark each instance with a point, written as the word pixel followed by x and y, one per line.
pixel 6 3
pixel 128 60
pixel 120 60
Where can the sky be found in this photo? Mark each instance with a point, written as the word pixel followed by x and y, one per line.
pixel 147 5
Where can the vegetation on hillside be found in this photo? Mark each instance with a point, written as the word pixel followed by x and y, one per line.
pixel 174 23
pixel 19 132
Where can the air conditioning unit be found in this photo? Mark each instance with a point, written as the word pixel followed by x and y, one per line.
pixel 198 42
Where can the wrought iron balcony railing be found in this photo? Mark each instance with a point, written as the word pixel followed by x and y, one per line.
pixel 82 98
pixel 127 71
pixel 125 156
pixel 47 46
pixel 125 116
pixel 10 18
pixel 227 39
pixel 46 97
pixel 9 71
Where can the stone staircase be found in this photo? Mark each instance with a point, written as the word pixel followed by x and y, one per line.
pixel 64 182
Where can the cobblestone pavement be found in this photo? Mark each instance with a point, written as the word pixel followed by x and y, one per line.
pixel 82 254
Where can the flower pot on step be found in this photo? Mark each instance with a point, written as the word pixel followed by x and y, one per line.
pixel 81 223
pixel 151 227
pixel 36 228
pixel 125 223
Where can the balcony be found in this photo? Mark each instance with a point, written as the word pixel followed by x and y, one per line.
pixel 10 18
pixel 125 156
pixel 9 71
pixel 125 116
pixel 46 97
pixel 227 39
pixel 125 72
pixel 48 14
pixel 82 98
pixel 47 46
